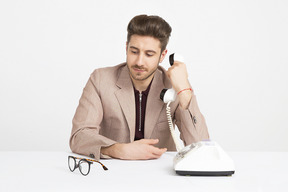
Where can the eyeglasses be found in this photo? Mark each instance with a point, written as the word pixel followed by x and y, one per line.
pixel 83 164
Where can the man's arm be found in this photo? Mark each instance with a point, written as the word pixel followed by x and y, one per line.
pixel 138 150
pixel 85 138
pixel 189 120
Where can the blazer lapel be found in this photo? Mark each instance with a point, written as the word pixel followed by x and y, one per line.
pixel 125 96
pixel 154 104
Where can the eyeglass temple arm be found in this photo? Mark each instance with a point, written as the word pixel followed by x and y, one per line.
pixel 104 167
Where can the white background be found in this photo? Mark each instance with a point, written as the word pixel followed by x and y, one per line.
pixel 236 53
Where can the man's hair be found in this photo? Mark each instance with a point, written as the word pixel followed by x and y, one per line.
pixel 153 26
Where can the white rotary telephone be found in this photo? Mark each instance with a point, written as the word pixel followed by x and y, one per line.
pixel 204 158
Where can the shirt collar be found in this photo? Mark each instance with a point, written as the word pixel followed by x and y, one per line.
pixel 144 92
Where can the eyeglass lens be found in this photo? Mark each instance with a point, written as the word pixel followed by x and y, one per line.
pixel 72 163
pixel 83 165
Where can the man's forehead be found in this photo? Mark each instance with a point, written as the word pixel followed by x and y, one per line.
pixel 144 42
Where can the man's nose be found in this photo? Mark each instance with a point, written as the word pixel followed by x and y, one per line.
pixel 140 60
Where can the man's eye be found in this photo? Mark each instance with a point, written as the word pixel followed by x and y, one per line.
pixel 149 55
pixel 134 52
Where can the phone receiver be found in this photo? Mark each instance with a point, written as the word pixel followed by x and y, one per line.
pixel 167 95
pixel 175 57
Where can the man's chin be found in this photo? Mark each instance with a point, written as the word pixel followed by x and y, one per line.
pixel 139 78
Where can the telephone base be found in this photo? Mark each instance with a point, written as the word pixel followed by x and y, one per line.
pixel 205 173
pixel 204 158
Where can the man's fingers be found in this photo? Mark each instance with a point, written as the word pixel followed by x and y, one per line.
pixel 157 151
pixel 149 141
pixel 146 150
pixel 153 155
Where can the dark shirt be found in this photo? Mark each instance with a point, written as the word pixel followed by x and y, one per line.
pixel 140 101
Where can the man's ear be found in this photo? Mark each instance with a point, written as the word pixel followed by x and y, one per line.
pixel 163 54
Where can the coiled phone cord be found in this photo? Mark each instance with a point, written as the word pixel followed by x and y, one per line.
pixel 172 130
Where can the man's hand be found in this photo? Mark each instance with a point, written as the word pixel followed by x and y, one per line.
pixel 178 75
pixel 138 150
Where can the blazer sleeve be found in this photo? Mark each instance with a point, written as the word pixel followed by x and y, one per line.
pixel 85 138
pixel 191 123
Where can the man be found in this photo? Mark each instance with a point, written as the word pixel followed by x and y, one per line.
pixel 120 114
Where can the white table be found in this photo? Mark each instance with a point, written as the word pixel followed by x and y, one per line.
pixel 48 171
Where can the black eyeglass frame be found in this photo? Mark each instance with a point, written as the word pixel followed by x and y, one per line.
pixel 81 160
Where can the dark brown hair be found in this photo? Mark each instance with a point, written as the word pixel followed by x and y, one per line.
pixel 153 26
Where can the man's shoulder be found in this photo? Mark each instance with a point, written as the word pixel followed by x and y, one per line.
pixel 108 72
pixel 109 69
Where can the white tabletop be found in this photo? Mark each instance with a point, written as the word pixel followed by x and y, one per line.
pixel 48 171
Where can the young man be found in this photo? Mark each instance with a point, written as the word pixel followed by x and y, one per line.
pixel 120 114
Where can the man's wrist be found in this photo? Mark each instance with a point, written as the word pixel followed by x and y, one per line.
pixel 186 89
pixel 112 151
pixel 107 150
pixel 185 98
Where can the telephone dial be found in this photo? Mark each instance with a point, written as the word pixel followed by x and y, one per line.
pixel 204 158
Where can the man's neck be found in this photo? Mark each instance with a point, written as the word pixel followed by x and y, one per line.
pixel 142 85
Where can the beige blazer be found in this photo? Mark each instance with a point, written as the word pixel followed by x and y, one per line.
pixel 106 113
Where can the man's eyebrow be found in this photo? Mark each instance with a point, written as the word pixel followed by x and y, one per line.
pixel 132 47
pixel 152 51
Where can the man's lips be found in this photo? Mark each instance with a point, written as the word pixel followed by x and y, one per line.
pixel 138 70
